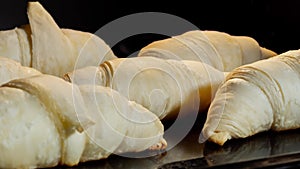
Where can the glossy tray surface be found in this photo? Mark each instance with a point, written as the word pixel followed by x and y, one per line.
pixel 264 150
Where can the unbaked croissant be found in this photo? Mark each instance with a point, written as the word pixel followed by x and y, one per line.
pixel 217 49
pixel 49 49
pixel 46 121
pixel 11 69
pixel 121 125
pixel 165 87
pixel 40 124
pixel 256 97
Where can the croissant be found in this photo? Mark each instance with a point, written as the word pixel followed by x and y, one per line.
pixel 39 121
pixel 49 49
pixel 217 49
pixel 121 126
pixel 11 69
pixel 256 97
pixel 45 122
pixel 165 87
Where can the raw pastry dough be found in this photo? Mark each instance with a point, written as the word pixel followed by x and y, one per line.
pixel 121 125
pixel 256 97
pixel 40 123
pixel 165 87
pixel 217 49
pixel 49 49
pixel 46 121
pixel 10 69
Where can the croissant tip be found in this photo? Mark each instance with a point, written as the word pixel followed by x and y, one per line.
pixel 220 138
pixel 267 53
pixel 66 77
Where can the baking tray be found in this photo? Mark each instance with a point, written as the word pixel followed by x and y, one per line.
pixel 263 150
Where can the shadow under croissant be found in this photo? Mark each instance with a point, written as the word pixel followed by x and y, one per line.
pixel 188 148
pixel 260 146
pixel 267 149
pixel 116 162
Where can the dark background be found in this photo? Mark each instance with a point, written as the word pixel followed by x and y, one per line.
pixel 273 23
